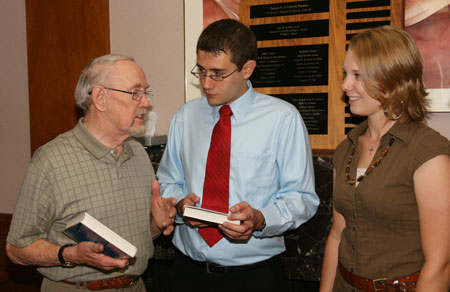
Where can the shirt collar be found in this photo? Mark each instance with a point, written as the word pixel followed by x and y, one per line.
pixel 403 131
pixel 400 131
pixel 241 105
pixel 94 146
pixel 358 131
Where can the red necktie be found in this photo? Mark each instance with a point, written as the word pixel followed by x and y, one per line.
pixel 217 175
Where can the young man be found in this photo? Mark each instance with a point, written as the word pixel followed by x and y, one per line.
pixel 93 168
pixel 268 183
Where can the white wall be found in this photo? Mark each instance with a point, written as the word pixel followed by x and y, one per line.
pixel 14 111
pixel 440 122
pixel 152 33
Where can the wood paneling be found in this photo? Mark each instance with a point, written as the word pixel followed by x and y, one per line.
pixel 62 36
pixel 324 144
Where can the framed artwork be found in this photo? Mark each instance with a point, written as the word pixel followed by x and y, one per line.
pixel 428 22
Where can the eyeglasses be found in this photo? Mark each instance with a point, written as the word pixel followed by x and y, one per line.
pixel 135 94
pixel 201 74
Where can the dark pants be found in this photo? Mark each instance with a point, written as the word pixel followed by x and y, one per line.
pixel 193 276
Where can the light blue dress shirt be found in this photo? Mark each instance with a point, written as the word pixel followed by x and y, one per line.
pixel 270 168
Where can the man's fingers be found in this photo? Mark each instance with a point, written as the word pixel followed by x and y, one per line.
pixel 168 230
pixel 156 189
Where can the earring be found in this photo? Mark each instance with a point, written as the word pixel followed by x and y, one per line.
pixel 400 114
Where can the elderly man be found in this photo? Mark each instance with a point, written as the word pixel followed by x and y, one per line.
pixel 95 168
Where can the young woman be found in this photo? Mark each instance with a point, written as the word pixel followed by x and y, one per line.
pixel 391 220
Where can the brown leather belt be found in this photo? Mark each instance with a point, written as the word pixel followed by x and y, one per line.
pixel 112 283
pixel 407 283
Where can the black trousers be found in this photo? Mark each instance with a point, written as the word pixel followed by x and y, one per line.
pixel 190 275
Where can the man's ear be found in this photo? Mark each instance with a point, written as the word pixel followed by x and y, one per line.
pixel 98 96
pixel 248 68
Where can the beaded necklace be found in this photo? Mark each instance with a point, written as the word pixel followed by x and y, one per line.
pixel 374 164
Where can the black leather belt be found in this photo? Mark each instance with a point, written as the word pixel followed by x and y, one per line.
pixel 212 268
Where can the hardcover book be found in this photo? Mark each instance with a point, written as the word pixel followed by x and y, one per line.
pixel 207 215
pixel 84 227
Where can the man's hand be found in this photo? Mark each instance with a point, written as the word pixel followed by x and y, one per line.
pixel 163 210
pixel 191 200
pixel 44 254
pixel 91 254
pixel 251 220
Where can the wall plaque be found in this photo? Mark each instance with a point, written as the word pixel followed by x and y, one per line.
pixel 289 8
pixel 290 30
pixel 291 66
pixel 313 108
pixel 302 48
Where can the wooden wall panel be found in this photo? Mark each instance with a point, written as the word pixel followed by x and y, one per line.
pixel 62 36
pixel 342 16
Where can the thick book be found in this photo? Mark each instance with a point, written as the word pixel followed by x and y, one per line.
pixel 207 215
pixel 84 227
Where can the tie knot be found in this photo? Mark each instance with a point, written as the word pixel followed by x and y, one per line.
pixel 225 110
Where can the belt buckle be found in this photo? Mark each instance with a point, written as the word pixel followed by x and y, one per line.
pixel 374 282
pixel 130 284
pixel 207 269
pixel 212 268
pixel 119 284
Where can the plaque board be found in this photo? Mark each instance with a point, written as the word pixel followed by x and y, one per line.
pixel 301 51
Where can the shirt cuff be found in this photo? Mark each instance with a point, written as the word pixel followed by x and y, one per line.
pixel 263 232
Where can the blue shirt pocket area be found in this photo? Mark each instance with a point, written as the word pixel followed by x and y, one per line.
pixel 253 178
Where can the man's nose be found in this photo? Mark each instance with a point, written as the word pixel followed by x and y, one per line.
pixel 207 82
pixel 145 102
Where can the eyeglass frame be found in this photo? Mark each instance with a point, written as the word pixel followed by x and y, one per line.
pixel 212 76
pixel 148 94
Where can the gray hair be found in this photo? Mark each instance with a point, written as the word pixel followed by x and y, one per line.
pixel 95 73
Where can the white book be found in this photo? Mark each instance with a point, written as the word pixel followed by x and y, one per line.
pixel 84 227
pixel 207 215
